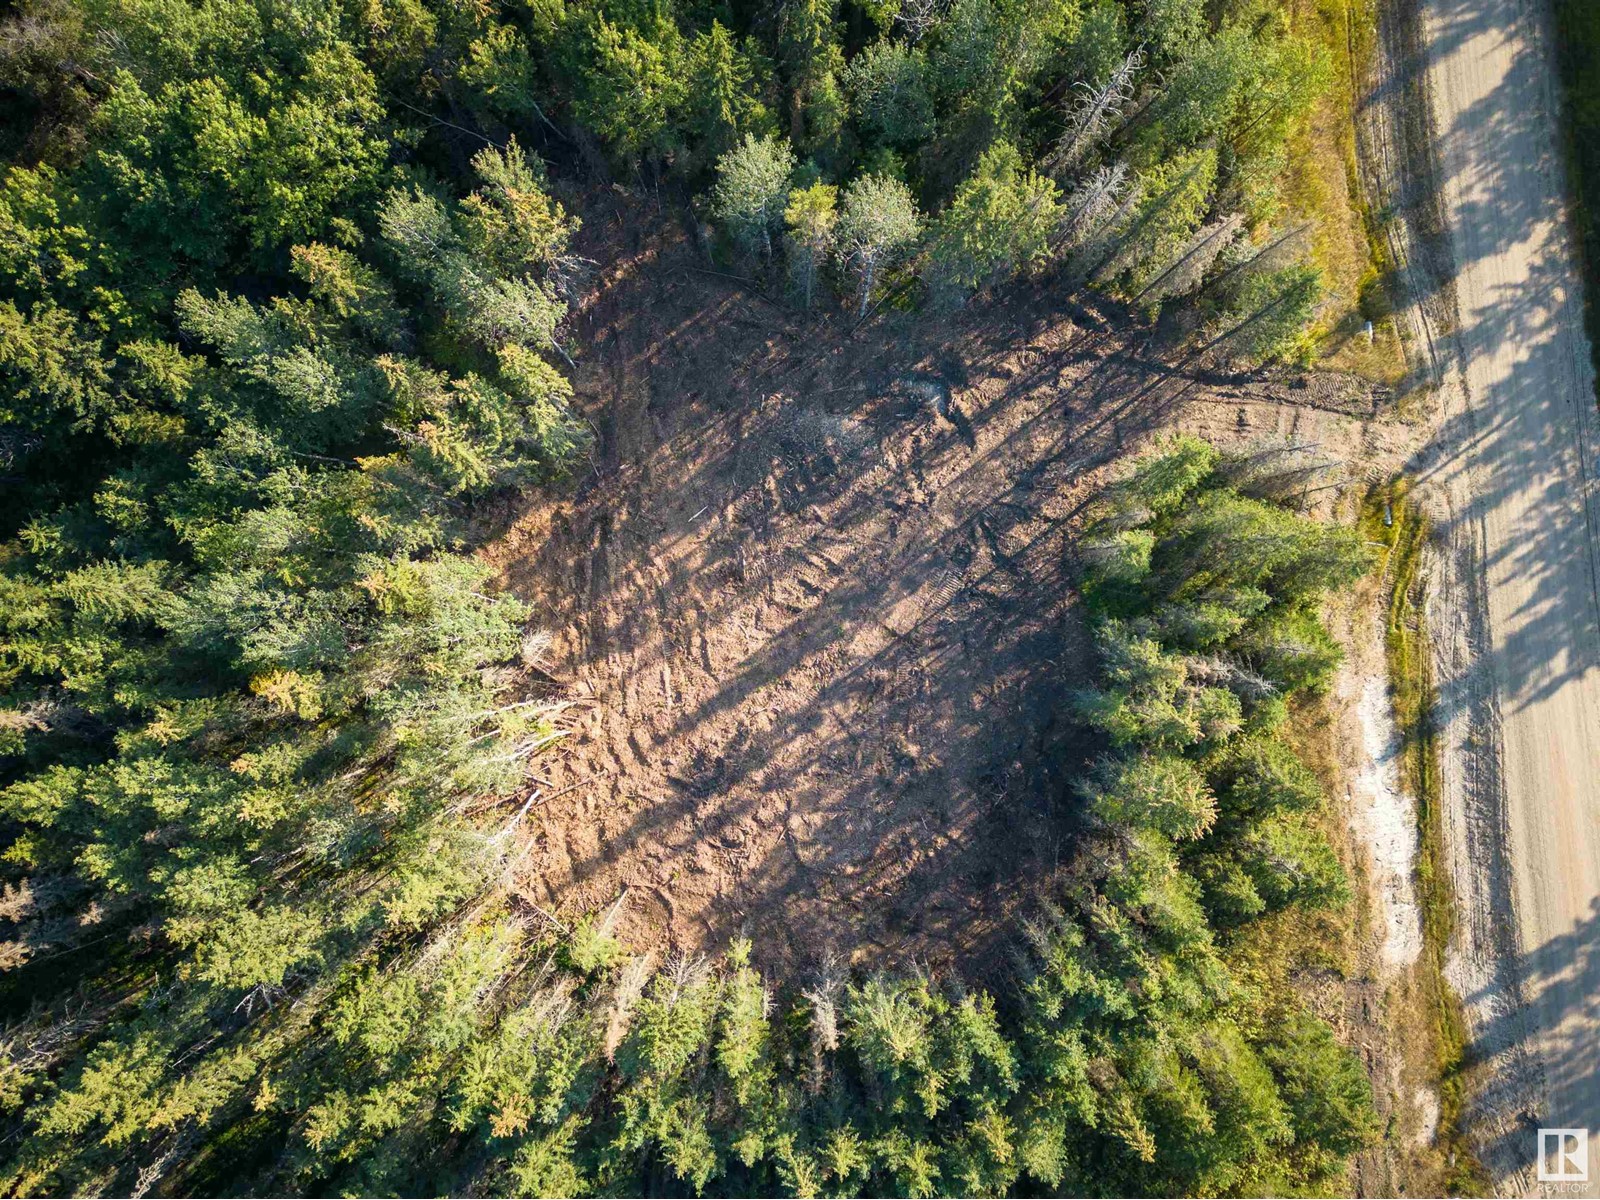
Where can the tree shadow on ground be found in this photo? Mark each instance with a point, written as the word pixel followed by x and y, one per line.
pixel 822 631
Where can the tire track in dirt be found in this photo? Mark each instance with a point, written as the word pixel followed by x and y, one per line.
pixel 853 571
pixel 1510 474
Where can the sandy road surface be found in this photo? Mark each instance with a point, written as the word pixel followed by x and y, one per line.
pixel 1515 461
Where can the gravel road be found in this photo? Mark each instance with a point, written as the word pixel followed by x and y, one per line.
pixel 1514 463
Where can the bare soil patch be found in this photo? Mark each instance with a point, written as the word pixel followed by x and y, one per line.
pixel 813 602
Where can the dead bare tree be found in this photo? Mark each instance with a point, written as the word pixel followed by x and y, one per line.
pixel 824 1001
pixel 625 995
pixel 1104 198
pixel 1283 246
pixel 1215 669
pixel 1092 112
pixel 1122 247
pixel 917 17
pixel 1280 472
pixel 1198 256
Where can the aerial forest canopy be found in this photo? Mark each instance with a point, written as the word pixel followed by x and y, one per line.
pixel 283 287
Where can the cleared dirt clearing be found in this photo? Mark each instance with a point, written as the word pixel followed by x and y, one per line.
pixel 821 632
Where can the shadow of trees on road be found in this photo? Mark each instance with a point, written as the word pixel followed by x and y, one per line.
pixel 1521 456
pixel 1560 985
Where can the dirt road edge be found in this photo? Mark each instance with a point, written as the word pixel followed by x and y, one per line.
pixel 1398 140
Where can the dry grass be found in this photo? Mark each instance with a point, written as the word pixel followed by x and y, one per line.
pixel 1322 183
